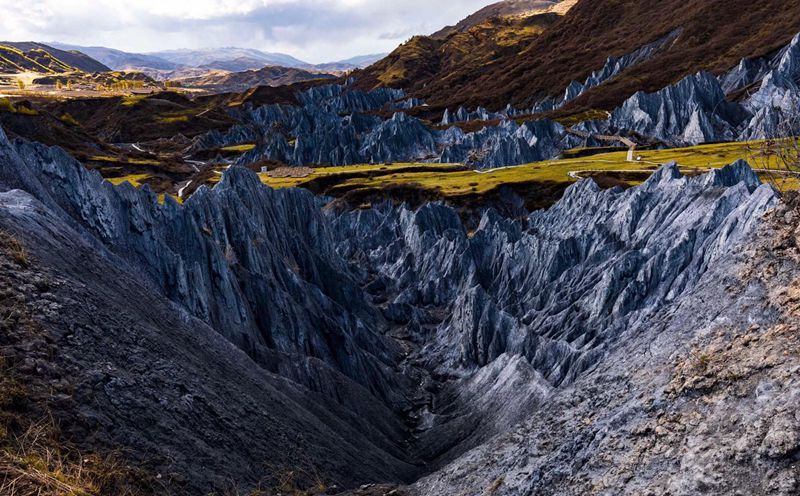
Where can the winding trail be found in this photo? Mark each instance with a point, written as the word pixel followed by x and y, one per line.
pixel 183 188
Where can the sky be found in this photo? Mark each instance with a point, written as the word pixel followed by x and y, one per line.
pixel 312 30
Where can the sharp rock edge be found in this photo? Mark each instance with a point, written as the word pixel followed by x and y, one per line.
pixel 419 340
pixel 335 125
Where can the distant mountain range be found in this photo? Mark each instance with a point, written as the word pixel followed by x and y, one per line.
pixel 171 64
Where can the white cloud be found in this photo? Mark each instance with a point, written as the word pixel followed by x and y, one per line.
pixel 313 30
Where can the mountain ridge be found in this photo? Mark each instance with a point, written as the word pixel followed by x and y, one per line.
pixel 589 33
pixel 176 63
pixel 39 57
pixel 505 8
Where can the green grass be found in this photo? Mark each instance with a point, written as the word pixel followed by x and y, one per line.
pixel 142 161
pixel 69 120
pixel 449 183
pixel 239 148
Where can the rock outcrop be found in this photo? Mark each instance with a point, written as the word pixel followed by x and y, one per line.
pixel 393 334
pixel 701 108
pixel 334 126
pixel 696 400
pixel 691 112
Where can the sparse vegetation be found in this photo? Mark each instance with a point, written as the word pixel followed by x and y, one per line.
pixel 69 120
pixel 779 156
pixel 36 462
pixel 496 485
pixel 286 482
pixel 453 182
pixel 239 148
pixel 172 119
pixel 17 108
pixel 14 248
pixel 35 457
pixel 131 100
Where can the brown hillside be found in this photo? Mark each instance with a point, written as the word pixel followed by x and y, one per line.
pixel 716 35
pixel 499 9
pixel 223 81
pixel 424 59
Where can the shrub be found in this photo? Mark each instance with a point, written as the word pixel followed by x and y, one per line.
pixel 68 119
pixel 14 248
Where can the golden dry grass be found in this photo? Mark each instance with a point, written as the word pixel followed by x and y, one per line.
pixel 447 181
pixel 37 463
pixel 35 459
pixel 14 248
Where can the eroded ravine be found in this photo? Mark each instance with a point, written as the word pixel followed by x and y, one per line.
pixel 392 340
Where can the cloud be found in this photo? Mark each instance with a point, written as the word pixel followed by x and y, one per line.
pixel 313 30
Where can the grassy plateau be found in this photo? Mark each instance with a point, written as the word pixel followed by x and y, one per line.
pixel 451 181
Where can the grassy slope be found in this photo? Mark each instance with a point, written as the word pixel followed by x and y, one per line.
pixel 36 57
pixel 716 35
pixel 448 60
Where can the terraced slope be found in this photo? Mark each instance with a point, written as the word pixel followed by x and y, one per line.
pixel 36 57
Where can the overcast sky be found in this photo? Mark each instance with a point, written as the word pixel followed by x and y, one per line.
pixel 312 30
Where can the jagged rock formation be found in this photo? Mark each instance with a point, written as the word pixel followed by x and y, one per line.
pixel 390 334
pixel 699 400
pixel 334 127
pixel 506 144
pixel 700 108
pixel 337 125
pixel 556 292
pixel 691 112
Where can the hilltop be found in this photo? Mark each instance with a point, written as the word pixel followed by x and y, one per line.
pixel 506 8
pixel 223 81
pixel 425 60
pixel 18 57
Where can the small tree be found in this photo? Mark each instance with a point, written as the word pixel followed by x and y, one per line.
pixel 778 156
pixel 59 84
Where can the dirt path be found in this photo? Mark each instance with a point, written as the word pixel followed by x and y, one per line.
pixel 183 188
